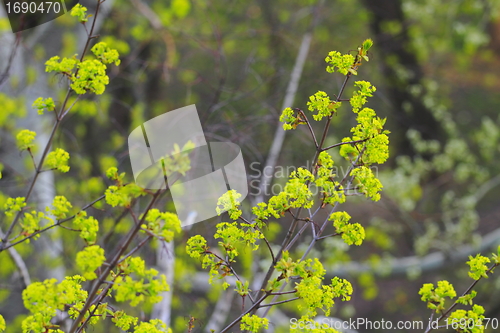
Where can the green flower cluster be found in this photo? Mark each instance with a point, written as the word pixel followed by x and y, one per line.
pixel 80 12
pixel 123 320
pixel 43 299
pixel 58 160
pixel 297 189
pixel 229 202
pixel 44 105
pixel 310 288
pixel 163 225
pixel 13 205
pixel 60 207
pixel 197 248
pixel 121 194
pixel 332 191
pixel 343 63
pixel 65 66
pixel 253 323
pixel 352 233
pixel 347 64
pixel 153 326
pixel 90 259
pixel 91 77
pixel 25 139
pixel 88 227
pixel 435 297
pixel 148 282
pixel 105 54
pixel 359 97
pixel 467 321
pixel 368 183
pixel 88 75
pixel 289 119
pixel 233 236
pixel 321 102
pixel 31 223
pixel 478 266
pixel 296 193
pixel 370 130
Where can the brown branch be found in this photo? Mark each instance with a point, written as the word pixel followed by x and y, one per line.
pixel 279 302
pixel 309 126
pixel 344 143
pixel 135 249
pixel 283 292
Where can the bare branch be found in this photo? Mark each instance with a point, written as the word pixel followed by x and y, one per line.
pixel 279 302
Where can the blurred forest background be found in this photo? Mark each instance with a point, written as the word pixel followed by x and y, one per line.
pixel 435 64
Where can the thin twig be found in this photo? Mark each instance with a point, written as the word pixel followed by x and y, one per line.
pixel 283 292
pixel 431 318
pixel 344 143
pixel 279 302
pixel 269 247
pixel 327 236
pixel 309 126
pixel 32 158
pixel 135 249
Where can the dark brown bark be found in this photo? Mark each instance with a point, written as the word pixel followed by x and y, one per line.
pixel 494 32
